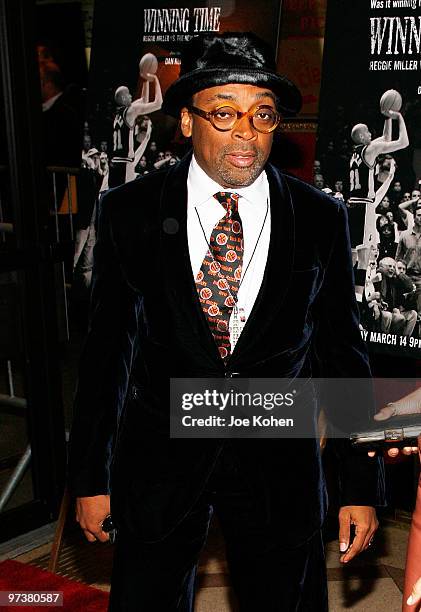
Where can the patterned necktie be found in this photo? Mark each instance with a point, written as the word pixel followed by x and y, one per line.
pixel 219 277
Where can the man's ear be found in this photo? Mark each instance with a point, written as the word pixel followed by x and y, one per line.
pixel 186 122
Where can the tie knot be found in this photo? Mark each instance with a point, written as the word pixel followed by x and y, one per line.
pixel 228 200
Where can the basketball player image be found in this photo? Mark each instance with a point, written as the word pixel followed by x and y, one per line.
pixel 143 134
pixel 123 159
pixel 363 197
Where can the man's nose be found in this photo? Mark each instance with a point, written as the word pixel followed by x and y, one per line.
pixel 244 129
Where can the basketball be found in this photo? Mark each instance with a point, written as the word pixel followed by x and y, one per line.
pixel 391 100
pixel 148 65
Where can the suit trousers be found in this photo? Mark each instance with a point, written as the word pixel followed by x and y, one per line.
pixel 265 575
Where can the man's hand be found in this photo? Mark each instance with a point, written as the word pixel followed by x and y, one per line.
pixel 395 409
pixel 365 520
pixel 90 513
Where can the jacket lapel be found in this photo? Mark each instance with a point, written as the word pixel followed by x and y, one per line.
pixel 279 263
pixel 176 266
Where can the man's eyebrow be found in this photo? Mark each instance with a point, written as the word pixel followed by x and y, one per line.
pixel 221 96
pixel 227 96
pixel 266 94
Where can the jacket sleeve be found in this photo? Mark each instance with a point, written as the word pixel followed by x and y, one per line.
pixel 343 358
pixel 105 365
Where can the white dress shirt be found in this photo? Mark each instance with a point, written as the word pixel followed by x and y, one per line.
pixel 254 210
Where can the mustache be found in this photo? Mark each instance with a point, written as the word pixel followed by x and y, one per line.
pixel 240 148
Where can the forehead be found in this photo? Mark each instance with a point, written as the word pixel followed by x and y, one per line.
pixel 236 93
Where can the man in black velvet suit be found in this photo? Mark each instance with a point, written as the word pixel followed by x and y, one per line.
pixel 160 240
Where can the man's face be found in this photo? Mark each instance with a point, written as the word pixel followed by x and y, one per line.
pixel 415 193
pixel 319 181
pixel 365 135
pixel 234 158
pixel 126 98
pixel 385 228
pixel 417 217
pixel 87 142
pixel 400 268
pixel 397 186
pixel 388 266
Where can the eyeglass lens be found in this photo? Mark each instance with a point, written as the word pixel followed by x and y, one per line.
pixel 263 119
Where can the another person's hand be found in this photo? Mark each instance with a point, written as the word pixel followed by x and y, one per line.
pixel 365 520
pixel 415 596
pixel 90 513
pixel 399 408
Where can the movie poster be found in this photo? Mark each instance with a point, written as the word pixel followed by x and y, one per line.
pixel 135 56
pixel 369 155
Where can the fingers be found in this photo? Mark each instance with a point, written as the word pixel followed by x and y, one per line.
pixel 90 514
pixel 409 450
pixel 344 529
pixel 406 450
pixel 370 534
pixel 366 524
pixel 89 536
pixel 359 543
pixel 355 547
pixel 94 533
pixel 415 596
pixel 385 413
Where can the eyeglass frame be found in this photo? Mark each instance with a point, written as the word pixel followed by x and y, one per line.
pixel 240 114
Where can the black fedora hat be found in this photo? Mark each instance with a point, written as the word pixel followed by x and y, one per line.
pixel 232 57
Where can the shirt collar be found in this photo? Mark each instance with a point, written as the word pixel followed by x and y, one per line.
pixel 202 187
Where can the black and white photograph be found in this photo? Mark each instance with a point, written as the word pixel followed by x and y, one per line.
pixel 368 155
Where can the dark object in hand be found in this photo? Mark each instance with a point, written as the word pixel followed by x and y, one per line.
pixel 108 527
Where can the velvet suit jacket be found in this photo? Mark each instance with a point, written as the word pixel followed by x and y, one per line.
pixel 147 325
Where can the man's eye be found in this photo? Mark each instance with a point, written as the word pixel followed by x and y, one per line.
pixel 264 116
pixel 223 115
